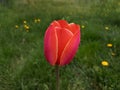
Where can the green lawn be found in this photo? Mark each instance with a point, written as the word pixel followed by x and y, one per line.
pixel 22 27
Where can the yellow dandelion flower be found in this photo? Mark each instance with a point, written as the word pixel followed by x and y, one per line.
pixel 106 28
pixel 24 22
pixel 113 54
pixel 16 26
pixel 109 45
pixel 82 26
pixel 38 20
pixel 35 20
pixel 26 27
pixel 105 63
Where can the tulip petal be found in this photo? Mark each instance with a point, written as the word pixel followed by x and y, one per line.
pixel 70 49
pixel 51 45
pixel 62 23
pixel 64 35
pixel 73 27
pixel 55 24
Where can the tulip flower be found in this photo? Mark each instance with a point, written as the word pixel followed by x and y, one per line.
pixel 61 42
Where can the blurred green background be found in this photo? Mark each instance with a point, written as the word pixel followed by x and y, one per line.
pixel 22 27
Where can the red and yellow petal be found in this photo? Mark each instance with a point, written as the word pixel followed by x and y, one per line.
pixel 51 45
pixel 74 27
pixel 70 49
pixel 62 23
pixel 64 35
pixel 55 24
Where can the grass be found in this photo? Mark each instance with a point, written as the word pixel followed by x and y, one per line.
pixel 22 62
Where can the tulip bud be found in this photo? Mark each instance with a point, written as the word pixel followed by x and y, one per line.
pixel 61 42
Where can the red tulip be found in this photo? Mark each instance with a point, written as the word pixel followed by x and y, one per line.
pixel 61 42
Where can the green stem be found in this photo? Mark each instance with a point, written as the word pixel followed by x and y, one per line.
pixel 57 78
